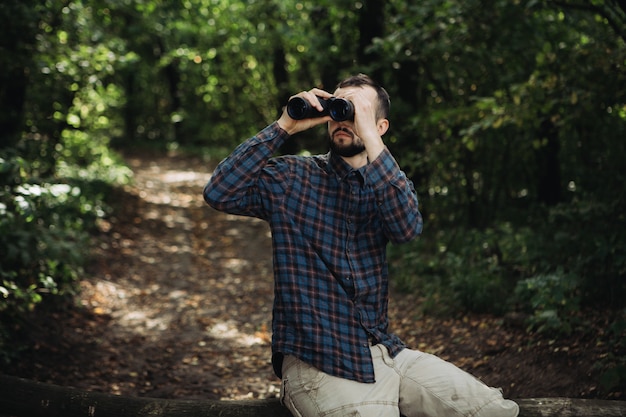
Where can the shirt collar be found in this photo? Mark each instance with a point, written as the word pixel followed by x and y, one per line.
pixel 342 169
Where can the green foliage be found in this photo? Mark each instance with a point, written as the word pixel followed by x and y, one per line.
pixel 463 269
pixel 38 242
pixel 566 259
pixel 586 238
pixel 512 133
pixel 552 301
pixel 43 235
pixel 510 111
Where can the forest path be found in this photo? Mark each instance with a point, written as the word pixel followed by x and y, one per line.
pixel 191 289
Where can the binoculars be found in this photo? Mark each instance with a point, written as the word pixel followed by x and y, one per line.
pixel 339 109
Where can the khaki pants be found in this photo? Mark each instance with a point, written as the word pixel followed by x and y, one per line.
pixel 413 384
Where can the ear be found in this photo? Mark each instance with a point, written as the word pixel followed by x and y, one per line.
pixel 383 126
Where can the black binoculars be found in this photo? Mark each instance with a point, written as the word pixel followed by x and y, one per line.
pixel 339 109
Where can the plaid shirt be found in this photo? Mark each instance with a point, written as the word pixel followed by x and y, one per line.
pixel 330 227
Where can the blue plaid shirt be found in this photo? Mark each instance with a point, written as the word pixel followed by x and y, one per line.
pixel 330 227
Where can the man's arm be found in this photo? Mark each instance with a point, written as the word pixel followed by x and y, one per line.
pixel 396 198
pixel 233 187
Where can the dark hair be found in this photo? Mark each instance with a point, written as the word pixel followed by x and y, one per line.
pixel 361 80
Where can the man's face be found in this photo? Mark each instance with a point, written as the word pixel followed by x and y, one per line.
pixel 343 140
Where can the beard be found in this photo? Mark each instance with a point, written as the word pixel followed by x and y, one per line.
pixel 348 150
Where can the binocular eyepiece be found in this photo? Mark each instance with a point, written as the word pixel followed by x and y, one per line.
pixel 339 109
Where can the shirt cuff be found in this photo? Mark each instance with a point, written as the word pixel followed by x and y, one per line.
pixel 382 170
pixel 271 132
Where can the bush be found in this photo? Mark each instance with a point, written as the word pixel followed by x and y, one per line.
pixel 586 239
pixel 563 259
pixel 552 301
pixel 41 235
pixel 462 269
pixel 44 236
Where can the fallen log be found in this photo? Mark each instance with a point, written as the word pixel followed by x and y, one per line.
pixel 25 398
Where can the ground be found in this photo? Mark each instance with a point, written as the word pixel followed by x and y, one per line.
pixel 176 303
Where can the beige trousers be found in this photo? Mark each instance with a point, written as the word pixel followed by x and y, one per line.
pixel 413 384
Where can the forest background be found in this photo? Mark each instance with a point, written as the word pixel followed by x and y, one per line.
pixel 509 116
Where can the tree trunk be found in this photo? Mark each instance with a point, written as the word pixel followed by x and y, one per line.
pixel 549 169
pixel 17 44
pixel 24 398
pixel 371 26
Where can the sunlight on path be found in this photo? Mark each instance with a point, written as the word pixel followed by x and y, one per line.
pixel 188 290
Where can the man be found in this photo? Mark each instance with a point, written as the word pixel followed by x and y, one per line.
pixel 331 217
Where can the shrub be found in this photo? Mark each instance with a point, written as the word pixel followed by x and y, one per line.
pixel 462 269
pixel 44 236
pixel 552 301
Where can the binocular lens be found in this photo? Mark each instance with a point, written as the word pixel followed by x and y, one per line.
pixel 298 108
pixel 340 109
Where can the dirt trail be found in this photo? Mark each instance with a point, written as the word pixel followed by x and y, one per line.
pixel 190 301
pixel 176 303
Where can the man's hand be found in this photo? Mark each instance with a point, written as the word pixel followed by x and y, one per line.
pixel 366 125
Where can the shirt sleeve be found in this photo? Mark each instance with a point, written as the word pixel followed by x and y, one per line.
pixel 395 197
pixel 234 186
